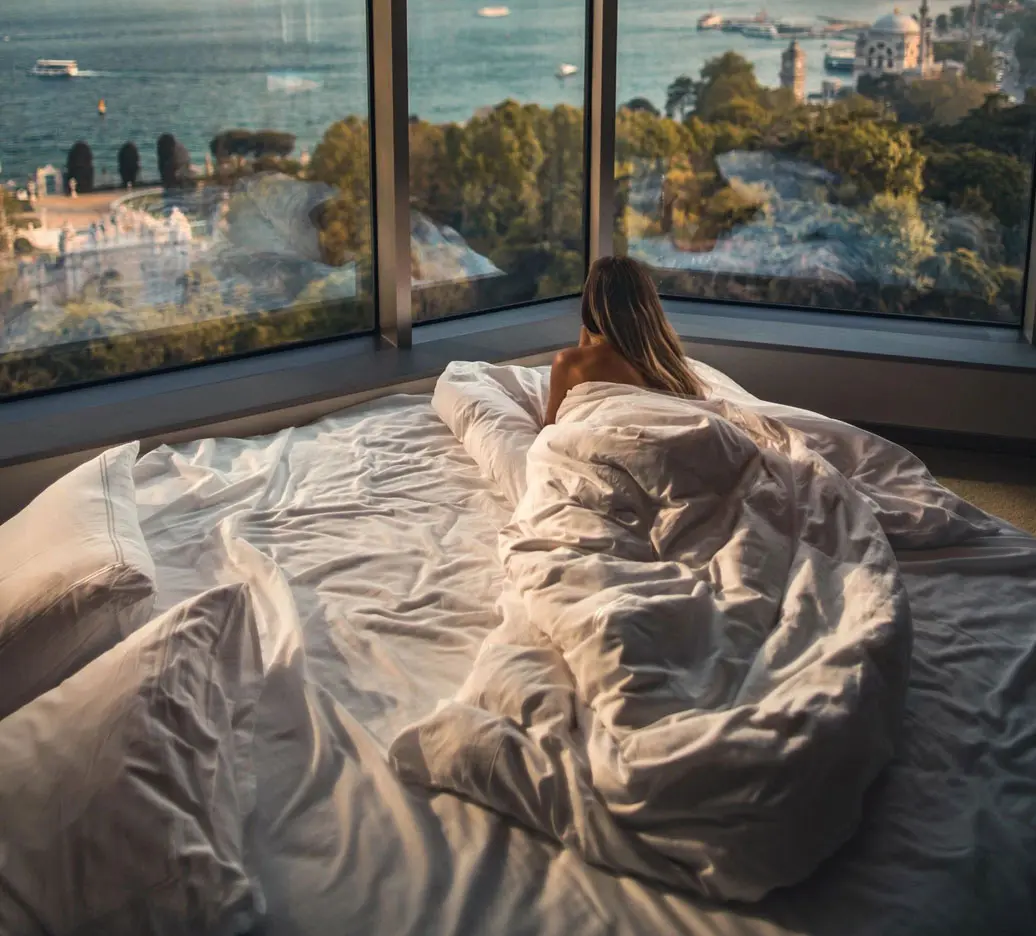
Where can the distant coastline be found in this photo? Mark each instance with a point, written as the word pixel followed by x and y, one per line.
pixel 298 65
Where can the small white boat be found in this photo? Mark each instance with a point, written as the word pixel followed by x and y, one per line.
pixel 567 71
pixel 710 21
pixel 761 31
pixel 494 12
pixel 840 58
pixel 55 68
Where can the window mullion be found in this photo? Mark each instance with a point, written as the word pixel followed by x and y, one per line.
pixel 390 161
pixel 602 44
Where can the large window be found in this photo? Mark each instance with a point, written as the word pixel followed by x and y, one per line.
pixel 190 180
pixel 182 181
pixel 496 153
pixel 869 162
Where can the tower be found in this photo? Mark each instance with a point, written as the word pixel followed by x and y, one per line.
pixel 972 27
pixel 793 70
pixel 925 51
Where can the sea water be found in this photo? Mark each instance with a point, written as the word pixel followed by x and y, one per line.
pixel 196 67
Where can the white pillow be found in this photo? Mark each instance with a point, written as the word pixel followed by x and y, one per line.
pixel 496 411
pixel 76 577
pixel 123 792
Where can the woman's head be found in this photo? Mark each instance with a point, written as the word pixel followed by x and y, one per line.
pixel 621 304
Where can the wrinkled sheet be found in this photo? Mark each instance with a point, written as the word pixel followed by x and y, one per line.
pixel 369 541
pixel 703 653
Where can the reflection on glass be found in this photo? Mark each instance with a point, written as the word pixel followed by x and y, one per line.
pixel 496 153
pixel 861 162
pixel 180 183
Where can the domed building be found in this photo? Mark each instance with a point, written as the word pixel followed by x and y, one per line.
pixel 896 45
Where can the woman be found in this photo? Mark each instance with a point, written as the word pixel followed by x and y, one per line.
pixel 625 338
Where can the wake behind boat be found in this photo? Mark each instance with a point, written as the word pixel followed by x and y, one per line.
pixel 55 68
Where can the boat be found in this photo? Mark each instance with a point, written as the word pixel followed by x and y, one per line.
pixel 55 68
pixel 567 71
pixel 102 108
pixel 840 59
pixel 494 12
pixel 710 21
pixel 741 24
pixel 760 31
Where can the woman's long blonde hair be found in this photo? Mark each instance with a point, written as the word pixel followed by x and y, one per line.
pixel 621 304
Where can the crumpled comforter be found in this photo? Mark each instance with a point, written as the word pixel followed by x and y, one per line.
pixel 704 643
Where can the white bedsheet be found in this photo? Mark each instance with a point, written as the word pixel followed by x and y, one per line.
pixel 703 653
pixel 370 540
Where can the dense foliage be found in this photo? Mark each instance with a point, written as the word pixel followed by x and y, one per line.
pixel 80 168
pixel 923 185
pixel 244 143
pixel 129 164
pixel 174 162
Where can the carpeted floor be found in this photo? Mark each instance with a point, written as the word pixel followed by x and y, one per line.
pixel 1004 485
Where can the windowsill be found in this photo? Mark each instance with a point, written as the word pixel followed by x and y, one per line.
pixel 939 342
pixel 157 405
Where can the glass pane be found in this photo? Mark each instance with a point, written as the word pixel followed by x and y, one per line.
pixel 182 182
pixel 496 153
pixel 837 156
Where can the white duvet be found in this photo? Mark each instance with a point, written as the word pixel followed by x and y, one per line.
pixel 704 644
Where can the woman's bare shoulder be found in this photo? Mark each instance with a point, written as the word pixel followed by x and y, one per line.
pixel 574 358
pixel 593 362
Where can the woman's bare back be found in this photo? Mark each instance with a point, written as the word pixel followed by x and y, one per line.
pixel 585 364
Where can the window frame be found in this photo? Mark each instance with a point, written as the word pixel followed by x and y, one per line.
pixel 388 122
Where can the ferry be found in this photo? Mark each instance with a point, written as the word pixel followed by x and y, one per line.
pixel 710 21
pixel 738 24
pixel 840 59
pixel 566 71
pixel 55 68
pixel 760 31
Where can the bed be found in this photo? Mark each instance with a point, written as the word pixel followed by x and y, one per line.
pixel 369 545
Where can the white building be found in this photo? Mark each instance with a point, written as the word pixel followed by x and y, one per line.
pixel 897 45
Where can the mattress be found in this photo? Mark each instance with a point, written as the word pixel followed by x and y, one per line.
pixel 369 541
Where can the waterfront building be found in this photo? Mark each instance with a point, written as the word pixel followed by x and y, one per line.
pixel 897 45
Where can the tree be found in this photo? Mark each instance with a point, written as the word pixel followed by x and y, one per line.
pixel 898 239
pixel 342 160
pixel 561 184
pixel 273 143
pixel 679 97
pixel 129 164
pixel 80 167
pixel 962 172
pixel 499 158
pixel 955 50
pixel 942 24
pixel 434 186
pixel 724 80
pixel 174 161
pixel 994 126
pixel 939 101
pixel 982 65
pixel 642 136
pixel 229 143
pixel 642 104
pixel 876 158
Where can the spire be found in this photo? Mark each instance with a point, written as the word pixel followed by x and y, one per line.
pixel 925 50
pixel 973 18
